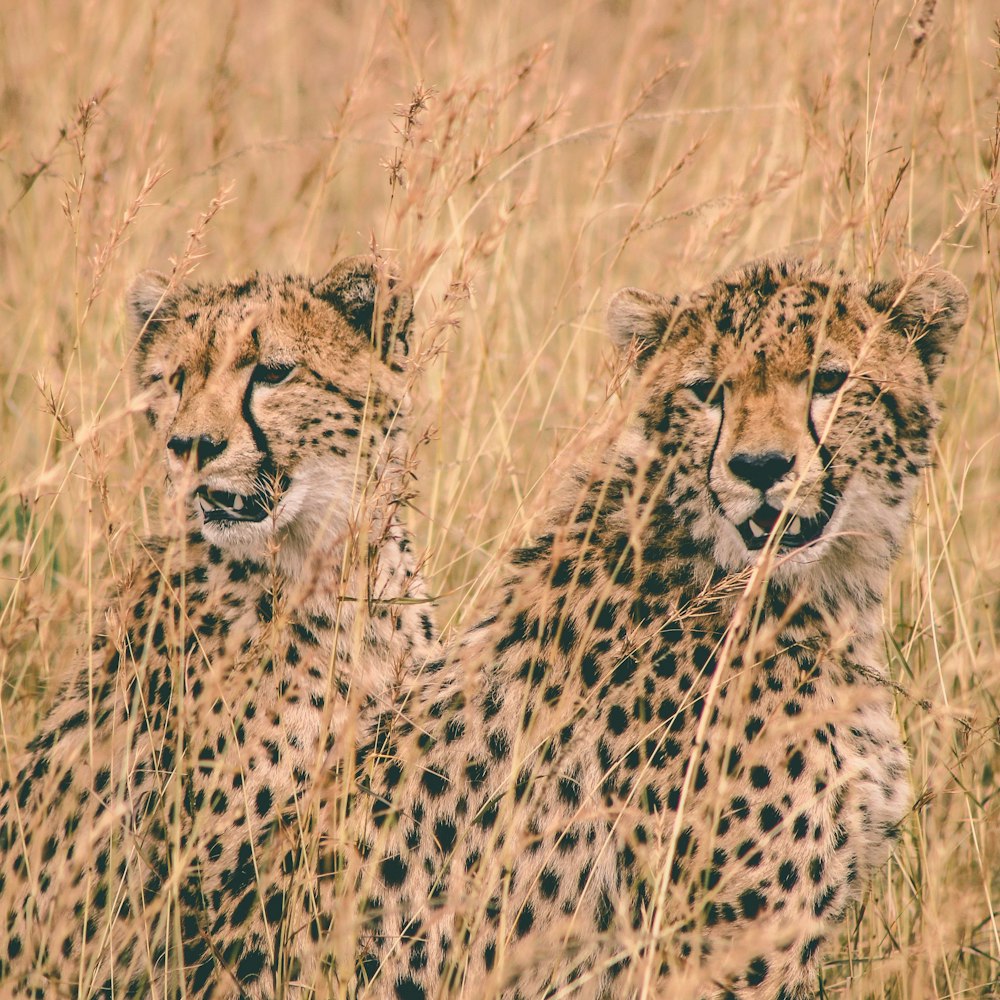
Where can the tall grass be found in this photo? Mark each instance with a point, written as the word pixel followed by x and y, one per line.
pixel 521 161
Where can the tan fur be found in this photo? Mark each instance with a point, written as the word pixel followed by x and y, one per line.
pixel 666 763
pixel 145 835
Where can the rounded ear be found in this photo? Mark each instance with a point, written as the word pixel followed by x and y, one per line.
pixel 928 309
pixel 149 303
pixel 146 297
pixel 373 301
pixel 637 321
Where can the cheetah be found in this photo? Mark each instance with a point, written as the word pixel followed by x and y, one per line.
pixel 665 762
pixel 248 651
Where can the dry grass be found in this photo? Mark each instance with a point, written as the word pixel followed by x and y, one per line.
pixel 522 161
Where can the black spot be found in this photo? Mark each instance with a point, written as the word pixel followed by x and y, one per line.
pixel 499 744
pixel 569 791
pixel 521 629
pixel 816 869
pixel 617 719
pixel 605 617
pixel 751 903
pixel 275 906
pixel 434 782
pixel 264 801
pixel 394 871
pixel 825 900
pixel 770 817
pixel 265 607
pixel 667 710
pixel 476 772
pixel 251 965
pixel 589 669
pixel 809 949
pixel 445 832
pixel 549 883
pixel 788 875
pixel 407 989
pixel 305 635
pixel 756 971
pixel 703 660
pixel 624 671
pixel 665 664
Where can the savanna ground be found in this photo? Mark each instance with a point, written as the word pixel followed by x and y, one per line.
pixel 520 162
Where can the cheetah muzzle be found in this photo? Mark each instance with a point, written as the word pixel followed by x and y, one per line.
pixel 222 507
pixel 796 531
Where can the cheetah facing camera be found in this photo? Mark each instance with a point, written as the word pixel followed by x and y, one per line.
pixel 667 762
pixel 173 775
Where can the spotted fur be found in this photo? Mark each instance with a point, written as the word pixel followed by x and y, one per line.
pixel 666 763
pixel 161 829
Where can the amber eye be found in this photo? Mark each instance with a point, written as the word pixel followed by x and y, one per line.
pixel 177 381
pixel 272 374
pixel 829 381
pixel 707 391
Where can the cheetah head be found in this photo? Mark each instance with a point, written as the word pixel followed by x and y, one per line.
pixel 276 398
pixel 792 406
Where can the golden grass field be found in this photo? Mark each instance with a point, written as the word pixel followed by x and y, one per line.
pixel 520 162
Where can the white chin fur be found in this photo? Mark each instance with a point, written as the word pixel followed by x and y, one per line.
pixel 861 531
pixel 318 501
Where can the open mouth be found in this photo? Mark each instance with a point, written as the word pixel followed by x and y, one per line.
pixel 798 531
pixel 220 506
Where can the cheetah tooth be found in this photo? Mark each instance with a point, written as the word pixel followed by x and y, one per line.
pixel 756 530
pixel 795 526
pixel 238 503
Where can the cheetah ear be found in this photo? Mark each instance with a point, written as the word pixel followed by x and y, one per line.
pixel 373 301
pixel 928 309
pixel 147 300
pixel 149 304
pixel 637 321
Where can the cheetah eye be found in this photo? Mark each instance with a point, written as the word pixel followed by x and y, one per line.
pixel 829 381
pixel 271 374
pixel 177 381
pixel 707 391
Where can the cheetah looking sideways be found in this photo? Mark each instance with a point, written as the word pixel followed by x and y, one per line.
pixel 244 656
pixel 666 762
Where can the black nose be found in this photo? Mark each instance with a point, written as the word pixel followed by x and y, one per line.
pixel 762 470
pixel 205 449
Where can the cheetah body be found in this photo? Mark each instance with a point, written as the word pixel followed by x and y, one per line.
pixel 666 761
pixel 147 833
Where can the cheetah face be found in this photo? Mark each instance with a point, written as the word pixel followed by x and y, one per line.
pixel 274 406
pixel 793 406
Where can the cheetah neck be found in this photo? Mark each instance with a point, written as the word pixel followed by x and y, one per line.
pixel 355 607
pixel 627 507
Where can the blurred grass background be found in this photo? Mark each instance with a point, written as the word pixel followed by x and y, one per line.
pixel 520 162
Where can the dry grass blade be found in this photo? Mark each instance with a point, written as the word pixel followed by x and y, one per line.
pixel 517 163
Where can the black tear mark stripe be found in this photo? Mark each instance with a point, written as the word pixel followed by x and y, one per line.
pixel 259 437
pixel 826 458
pixel 711 455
